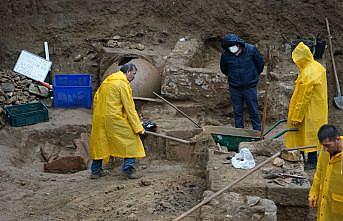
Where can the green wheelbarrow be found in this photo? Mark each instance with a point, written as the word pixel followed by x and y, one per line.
pixel 231 137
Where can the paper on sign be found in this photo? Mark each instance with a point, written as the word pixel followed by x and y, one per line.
pixel 32 66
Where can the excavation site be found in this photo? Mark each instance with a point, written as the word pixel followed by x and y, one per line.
pixel 171 110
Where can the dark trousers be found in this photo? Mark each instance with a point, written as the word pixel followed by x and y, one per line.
pixel 96 166
pixel 248 95
pixel 311 157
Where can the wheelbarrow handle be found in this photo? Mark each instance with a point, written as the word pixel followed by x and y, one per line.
pixel 277 123
pixel 283 132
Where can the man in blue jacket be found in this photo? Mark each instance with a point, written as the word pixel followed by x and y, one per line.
pixel 243 64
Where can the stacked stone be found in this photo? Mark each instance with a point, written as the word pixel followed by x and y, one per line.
pixel 18 89
pixel 14 89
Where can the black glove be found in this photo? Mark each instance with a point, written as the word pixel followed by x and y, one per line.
pixel 149 126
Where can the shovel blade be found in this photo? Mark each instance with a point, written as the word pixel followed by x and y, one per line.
pixel 339 102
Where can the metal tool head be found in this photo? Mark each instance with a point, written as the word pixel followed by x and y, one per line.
pixel 339 102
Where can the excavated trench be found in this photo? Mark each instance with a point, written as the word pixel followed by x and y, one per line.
pixel 175 175
pixel 173 179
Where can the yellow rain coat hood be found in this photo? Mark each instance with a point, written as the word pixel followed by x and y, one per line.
pixel 115 122
pixel 327 187
pixel 308 107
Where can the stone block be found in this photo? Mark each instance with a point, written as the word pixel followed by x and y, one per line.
pixel 68 164
pixel 197 84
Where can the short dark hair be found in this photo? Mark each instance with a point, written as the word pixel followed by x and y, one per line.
pixel 128 67
pixel 327 131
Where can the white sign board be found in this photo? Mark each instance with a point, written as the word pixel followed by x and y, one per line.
pixel 32 66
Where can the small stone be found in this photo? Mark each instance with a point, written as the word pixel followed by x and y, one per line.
pixel 140 47
pixel 112 43
pixel 253 200
pixel 116 37
pixel 7 87
pixel 268 205
pixel 258 209
pixel 199 82
pixel 119 187
pixel 145 182
pixel 292 156
pixel 278 162
pixel 77 58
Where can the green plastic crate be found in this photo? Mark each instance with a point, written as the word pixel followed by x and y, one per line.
pixel 26 114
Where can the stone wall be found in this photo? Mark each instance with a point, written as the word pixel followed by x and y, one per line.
pixel 233 206
pixel 182 82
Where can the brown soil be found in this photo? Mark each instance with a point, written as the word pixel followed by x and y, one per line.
pixel 76 29
pixel 27 193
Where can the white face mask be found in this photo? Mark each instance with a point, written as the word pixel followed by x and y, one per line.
pixel 234 49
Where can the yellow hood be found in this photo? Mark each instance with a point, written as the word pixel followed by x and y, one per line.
pixel 302 56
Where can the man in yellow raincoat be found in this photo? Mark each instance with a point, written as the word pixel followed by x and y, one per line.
pixel 308 108
pixel 115 123
pixel 327 188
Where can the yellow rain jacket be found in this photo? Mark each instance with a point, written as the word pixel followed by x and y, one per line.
pixel 327 187
pixel 115 122
pixel 308 107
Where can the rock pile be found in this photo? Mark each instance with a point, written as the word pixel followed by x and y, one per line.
pixel 18 89
pixel 233 206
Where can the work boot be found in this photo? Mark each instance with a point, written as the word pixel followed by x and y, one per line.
pixel 131 173
pixel 99 174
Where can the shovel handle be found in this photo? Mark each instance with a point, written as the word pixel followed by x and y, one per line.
pixel 332 58
pixel 168 137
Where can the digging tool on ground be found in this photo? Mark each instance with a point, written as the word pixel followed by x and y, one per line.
pixel 338 99
pixel 147 99
pixel 180 111
pixel 218 193
pixel 168 137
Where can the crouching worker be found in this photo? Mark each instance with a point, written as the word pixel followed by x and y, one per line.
pixel 327 188
pixel 115 124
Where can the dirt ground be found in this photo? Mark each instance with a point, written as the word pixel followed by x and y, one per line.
pixel 75 31
pixel 27 193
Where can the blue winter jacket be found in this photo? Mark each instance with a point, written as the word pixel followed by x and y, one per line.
pixel 243 70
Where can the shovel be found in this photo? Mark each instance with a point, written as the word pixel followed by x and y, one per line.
pixel 338 99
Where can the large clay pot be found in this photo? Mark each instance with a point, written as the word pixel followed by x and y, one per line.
pixel 147 79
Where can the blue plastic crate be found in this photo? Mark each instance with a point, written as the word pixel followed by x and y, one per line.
pixel 26 114
pixel 73 90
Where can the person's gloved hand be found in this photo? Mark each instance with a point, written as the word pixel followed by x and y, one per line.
pixel 295 124
pixel 149 126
